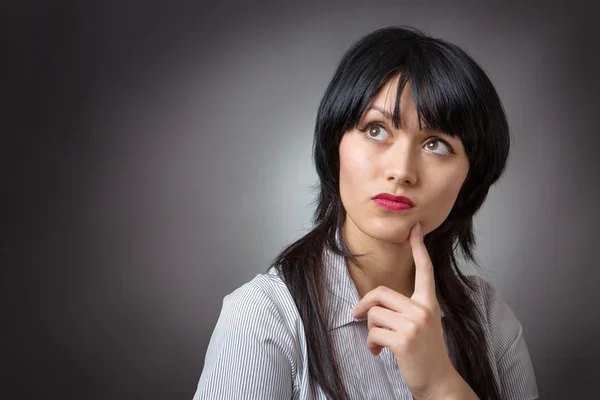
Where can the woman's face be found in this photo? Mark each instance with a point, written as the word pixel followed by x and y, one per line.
pixel 428 167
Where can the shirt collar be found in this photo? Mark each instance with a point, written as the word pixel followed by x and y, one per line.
pixel 341 294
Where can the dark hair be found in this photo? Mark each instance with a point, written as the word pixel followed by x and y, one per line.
pixel 453 94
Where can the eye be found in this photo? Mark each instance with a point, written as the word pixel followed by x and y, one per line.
pixel 376 132
pixel 439 146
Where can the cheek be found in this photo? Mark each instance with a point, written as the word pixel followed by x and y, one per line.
pixel 447 188
pixel 451 188
pixel 442 198
pixel 355 167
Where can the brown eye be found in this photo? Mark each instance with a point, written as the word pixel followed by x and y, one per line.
pixel 376 133
pixel 438 146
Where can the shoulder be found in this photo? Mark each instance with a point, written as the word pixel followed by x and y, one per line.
pixel 504 333
pixel 486 296
pixel 262 303
pixel 254 350
pixel 498 318
pixel 258 323
pixel 261 314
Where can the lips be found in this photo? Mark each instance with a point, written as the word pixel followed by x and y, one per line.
pixel 391 197
pixel 392 202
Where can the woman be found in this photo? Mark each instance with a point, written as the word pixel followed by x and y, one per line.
pixel 371 304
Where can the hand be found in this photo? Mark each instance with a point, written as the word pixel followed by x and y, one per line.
pixel 414 328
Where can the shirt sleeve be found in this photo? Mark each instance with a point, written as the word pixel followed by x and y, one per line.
pixel 515 369
pixel 248 356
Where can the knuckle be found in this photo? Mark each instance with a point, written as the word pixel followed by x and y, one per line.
pixel 401 346
pixel 412 330
pixel 372 312
pixel 425 317
pixel 382 289
pixel 370 317
pixel 371 336
pixel 422 315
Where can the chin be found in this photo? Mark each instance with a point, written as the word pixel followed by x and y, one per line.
pixel 388 231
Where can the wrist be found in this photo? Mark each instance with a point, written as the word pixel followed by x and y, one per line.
pixel 454 388
pixel 449 386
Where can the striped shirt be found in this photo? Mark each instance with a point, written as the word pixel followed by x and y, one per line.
pixel 258 347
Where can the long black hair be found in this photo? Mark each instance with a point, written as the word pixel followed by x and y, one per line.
pixel 452 94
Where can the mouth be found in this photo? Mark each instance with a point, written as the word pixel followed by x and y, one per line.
pixel 392 202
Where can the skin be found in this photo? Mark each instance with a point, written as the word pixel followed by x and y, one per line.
pixel 395 278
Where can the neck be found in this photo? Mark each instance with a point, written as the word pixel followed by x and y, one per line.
pixel 381 263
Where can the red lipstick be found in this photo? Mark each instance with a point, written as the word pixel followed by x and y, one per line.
pixel 392 202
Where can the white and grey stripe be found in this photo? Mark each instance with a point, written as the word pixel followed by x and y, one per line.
pixel 258 348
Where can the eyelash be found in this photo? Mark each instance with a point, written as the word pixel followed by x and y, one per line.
pixel 379 125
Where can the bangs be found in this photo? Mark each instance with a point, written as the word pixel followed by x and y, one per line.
pixel 444 91
pixel 452 94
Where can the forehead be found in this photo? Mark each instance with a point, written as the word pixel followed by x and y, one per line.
pixel 385 101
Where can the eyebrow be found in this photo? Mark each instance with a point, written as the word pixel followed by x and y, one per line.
pixel 387 115
pixel 384 112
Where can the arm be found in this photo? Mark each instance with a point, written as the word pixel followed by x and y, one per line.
pixel 248 356
pixel 455 388
pixel 517 377
pixel 515 370
pixel 513 363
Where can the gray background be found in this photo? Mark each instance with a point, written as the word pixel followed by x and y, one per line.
pixel 157 156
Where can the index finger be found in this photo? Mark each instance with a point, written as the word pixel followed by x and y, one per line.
pixel 386 297
pixel 424 277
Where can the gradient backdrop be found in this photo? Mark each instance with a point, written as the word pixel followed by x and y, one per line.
pixel 157 156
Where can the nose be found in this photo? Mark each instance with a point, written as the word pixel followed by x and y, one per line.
pixel 400 164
